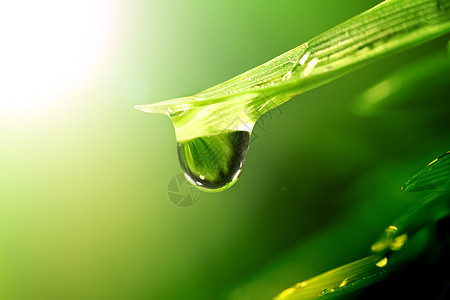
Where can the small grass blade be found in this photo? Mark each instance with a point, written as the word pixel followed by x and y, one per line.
pixel 435 176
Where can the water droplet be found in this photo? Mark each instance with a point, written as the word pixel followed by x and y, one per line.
pixel 301 284
pixel 398 242
pixel 214 162
pixel 175 114
pixel 391 229
pixel 386 240
pixel 344 282
pixel 326 291
pixel 382 263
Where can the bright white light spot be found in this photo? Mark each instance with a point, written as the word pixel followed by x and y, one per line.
pixel 310 66
pixel 45 46
pixel 304 58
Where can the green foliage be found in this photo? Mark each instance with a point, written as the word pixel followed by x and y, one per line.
pixel 388 27
pixel 436 176
pixel 393 250
pixel 236 105
pixel 340 281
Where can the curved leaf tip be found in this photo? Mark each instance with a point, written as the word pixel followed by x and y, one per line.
pixel 435 176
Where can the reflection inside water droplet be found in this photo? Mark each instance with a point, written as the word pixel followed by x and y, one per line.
pixel 214 162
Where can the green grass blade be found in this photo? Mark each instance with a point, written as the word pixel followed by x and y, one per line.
pixel 340 281
pixel 388 27
pixel 435 176
pixel 399 244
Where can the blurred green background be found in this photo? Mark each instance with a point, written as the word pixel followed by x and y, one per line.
pixel 84 212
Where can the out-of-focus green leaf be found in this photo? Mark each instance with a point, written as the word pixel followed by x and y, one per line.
pixel 418 85
pixel 435 176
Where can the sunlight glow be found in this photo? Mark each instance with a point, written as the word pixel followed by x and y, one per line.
pixel 46 46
